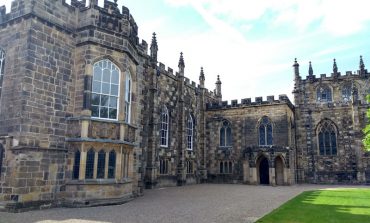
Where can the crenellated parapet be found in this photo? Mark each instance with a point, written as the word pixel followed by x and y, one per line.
pixel 247 102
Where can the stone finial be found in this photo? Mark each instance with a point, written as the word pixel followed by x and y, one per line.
pixel 335 67
pixel 218 88
pixel 218 80
pixel 296 68
pixel 310 70
pixel 154 49
pixel 181 61
pixel 362 66
pixel 201 77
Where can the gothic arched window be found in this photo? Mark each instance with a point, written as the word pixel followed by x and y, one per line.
pixel 101 164
pixel 90 161
pixel 324 94
pixel 225 134
pixel 105 90
pixel 112 164
pixel 327 138
pixel 347 90
pixel 265 132
pixel 189 130
pixel 76 165
pixel 128 97
pixel 164 126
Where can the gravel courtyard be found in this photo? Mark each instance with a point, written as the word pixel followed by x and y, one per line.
pixel 197 203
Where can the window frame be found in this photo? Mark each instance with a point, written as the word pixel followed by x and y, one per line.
pixel 2 69
pixel 112 164
pixel 348 88
pixel 166 122
pixel 326 128
pixel 100 167
pixel 265 122
pixel 189 132
pixel 76 165
pixel 2 154
pixel 225 134
pixel 113 65
pixel 319 93
pixel 164 166
pixel 128 96
pixel 90 162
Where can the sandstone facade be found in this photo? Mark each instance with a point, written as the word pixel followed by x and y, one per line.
pixel 88 116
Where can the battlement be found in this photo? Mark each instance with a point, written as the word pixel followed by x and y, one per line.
pixel 247 102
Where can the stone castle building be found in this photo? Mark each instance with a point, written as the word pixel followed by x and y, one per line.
pixel 88 116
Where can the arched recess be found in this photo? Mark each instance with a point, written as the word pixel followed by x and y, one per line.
pixel 279 170
pixel 263 170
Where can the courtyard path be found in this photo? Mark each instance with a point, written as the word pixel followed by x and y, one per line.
pixel 204 203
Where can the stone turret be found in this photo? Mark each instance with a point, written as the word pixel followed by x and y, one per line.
pixel 201 78
pixel 296 69
pixel 218 92
pixel 154 50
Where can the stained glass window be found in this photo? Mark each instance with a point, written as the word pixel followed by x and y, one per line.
pixel 327 138
pixel 324 94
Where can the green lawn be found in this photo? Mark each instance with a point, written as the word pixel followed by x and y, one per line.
pixel 329 206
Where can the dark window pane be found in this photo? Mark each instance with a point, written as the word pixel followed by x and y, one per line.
pixel 333 143
pixel 1 157
pixel 222 136
pixel 262 135
pixel 112 164
pixel 101 164
pixel 104 100
pixel 321 143
pixel 327 143
pixel 230 167
pixel 94 111
pixel 221 167
pixel 89 174
pixel 228 136
pixel 76 165
pixel 113 113
pixel 95 99
pixel 103 112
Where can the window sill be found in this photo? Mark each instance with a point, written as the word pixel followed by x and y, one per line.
pixel 99 181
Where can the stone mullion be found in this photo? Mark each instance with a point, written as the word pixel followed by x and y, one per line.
pixel 83 157
pixel 118 168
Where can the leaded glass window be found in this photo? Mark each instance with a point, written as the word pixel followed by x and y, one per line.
pixel 2 68
pixel 101 164
pixel 128 97
pixel 347 91
pixel 164 127
pixel 76 165
pixel 112 164
pixel 90 160
pixel 225 134
pixel 189 129
pixel 327 138
pixel 265 132
pixel 324 94
pixel 105 90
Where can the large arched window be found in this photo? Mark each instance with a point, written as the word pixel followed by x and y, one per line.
pixel 189 130
pixel 105 90
pixel 164 126
pixel 324 94
pixel 128 97
pixel 225 134
pixel 2 68
pixel 265 132
pixel 327 138
pixel 347 90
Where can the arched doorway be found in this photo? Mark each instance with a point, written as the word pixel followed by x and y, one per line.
pixel 279 171
pixel 263 170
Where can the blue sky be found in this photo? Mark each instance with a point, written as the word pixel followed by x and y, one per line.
pixel 252 44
